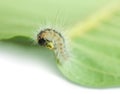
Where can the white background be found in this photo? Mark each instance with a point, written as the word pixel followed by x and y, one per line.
pixel 21 74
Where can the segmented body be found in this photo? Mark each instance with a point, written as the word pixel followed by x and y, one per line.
pixel 58 42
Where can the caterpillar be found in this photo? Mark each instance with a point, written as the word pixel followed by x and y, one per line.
pixel 54 40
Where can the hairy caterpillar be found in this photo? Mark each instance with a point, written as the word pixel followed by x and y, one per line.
pixel 54 40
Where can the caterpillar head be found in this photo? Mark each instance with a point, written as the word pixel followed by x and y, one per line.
pixel 44 42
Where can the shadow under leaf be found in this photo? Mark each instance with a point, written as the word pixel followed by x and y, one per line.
pixel 26 45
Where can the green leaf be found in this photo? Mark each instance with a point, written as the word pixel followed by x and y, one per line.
pixel 24 17
pixel 95 41
pixel 96 50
